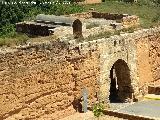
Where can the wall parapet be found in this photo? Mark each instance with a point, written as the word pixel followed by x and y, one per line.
pixel 136 35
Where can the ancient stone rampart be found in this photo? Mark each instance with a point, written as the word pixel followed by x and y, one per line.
pixel 126 19
pixel 148 58
pixel 45 25
pixel 44 79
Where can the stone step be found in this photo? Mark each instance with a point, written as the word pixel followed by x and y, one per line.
pixel 152 96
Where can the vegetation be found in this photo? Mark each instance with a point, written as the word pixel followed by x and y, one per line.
pixel 13 13
pixel 98 109
pixel 147 10
pixel 92 25
pixel 16 39
pixel 107 34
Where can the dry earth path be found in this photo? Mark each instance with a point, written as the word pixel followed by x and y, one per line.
pixel 89 116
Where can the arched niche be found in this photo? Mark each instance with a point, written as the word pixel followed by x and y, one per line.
pixel 77 28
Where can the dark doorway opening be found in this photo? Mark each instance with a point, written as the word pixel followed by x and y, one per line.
pixel 113 87
pixel 120 86
pixel 77 29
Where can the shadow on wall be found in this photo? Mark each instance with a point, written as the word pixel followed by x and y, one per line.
pixel 77 104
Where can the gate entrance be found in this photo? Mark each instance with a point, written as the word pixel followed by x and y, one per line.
pixel 120 86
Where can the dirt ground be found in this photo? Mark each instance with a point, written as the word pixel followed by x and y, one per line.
pixel 89 116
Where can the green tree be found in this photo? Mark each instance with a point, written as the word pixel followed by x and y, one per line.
pixel 11 14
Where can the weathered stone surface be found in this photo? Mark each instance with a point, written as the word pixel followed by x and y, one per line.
pixel 45 78
pixel 37 80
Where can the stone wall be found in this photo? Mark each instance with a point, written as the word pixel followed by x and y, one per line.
pixel 130 21
pixel 154 55
pixel 137 51
pixel 144 66
pixel 125 19
pixel 44 79
pixel 85 15
pixel 107 16
pixel 148 59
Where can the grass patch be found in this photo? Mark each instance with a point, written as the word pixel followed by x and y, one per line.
pixel 92 25
pixel 128 30
pixel 16 39
pixel 107 34
pixel 99 36
pixel 148 14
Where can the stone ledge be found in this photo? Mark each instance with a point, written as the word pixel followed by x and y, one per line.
pixel 127 116
pixel 91 44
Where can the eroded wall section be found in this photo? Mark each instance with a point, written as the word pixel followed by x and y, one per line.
pixel 148 60
pixel 44 79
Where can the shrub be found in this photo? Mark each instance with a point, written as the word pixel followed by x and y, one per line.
pixel 145 2
pixel 67 9
pixel 156 1
pixel 7 30
pixel 98 109
pixel 131 1
pixel 11 14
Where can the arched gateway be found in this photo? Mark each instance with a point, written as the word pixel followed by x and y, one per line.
pixel 118 79
pixel 120 82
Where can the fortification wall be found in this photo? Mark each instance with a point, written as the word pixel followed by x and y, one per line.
pixel 154 55
pixel 148 59
pixel 44 79
pixel 126 20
